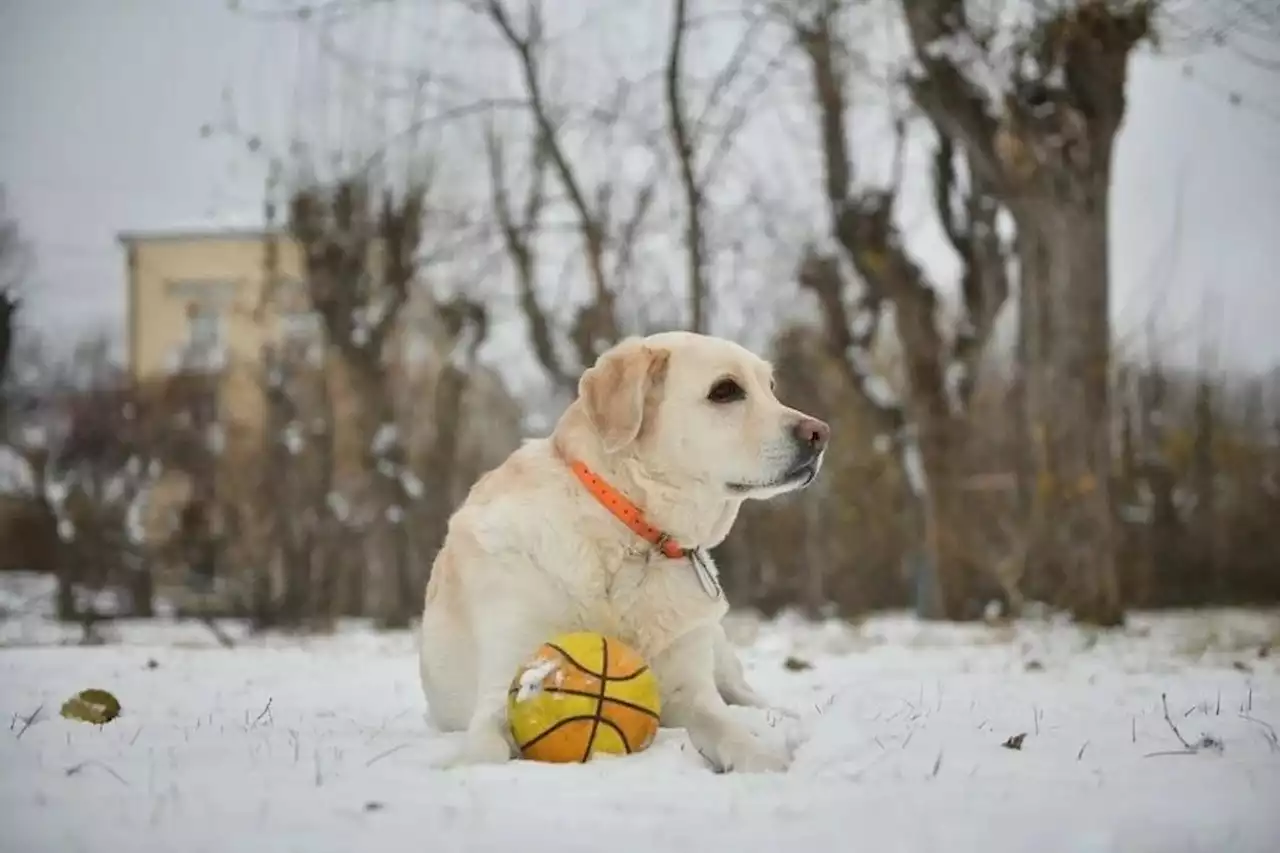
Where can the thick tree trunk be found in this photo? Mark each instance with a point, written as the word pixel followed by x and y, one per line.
pixel 953 588
pixel 1071 545
pixel 932 461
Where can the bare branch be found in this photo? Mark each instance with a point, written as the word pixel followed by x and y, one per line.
pixel 695 236
pixel 630 229
pixel 518 238
pixel 952 102
pixel 817 41
pixel 737 117
pixel 600 317
pixel 984 281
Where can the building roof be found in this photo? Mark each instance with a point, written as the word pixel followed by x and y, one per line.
pixel 188 233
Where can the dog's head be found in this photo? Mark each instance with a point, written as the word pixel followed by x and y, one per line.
pixel 700 411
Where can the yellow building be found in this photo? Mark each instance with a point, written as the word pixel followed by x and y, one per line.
pixel 199 299
pixel 213 303
pixel 209 301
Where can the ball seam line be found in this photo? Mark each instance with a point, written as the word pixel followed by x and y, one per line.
pixel 604 685
pixel 569 691
pixel 574 661
pixel 554 727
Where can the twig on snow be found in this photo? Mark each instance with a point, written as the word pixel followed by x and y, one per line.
pixel 1164 701
pixel 1206 741
pixel 384 754
pixel 266 712
pixel 76 768
pixel 28 722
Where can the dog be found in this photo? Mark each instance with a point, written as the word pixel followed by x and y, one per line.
pixel 604 526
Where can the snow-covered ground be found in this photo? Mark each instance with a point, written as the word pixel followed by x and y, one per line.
pixel 319 744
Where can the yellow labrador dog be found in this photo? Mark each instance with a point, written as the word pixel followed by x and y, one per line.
pixel 604 526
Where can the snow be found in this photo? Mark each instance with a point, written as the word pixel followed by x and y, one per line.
pixel 913 465
pixel 956 376
pixel 384 439
pixel 292 438
pixel 16 476
pixel 338 505
pixel 530 681
pixel 412 486
pixel 320 744
pixel 216 438
pixel 993 65
pixel 862 324
pixel 28 603
pixel 875 386
pixel 135 519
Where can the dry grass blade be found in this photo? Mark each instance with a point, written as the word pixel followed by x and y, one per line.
pixel 1015 742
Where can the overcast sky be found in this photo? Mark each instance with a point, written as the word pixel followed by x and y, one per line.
pixel 101 105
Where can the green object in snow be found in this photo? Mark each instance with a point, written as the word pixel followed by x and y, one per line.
pixel 92 706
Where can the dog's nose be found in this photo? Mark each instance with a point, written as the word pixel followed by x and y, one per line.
pixel 812 433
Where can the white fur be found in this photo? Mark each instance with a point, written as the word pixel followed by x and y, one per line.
pixel 531 553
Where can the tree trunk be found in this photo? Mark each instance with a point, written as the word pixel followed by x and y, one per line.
pixel 66 596
pixel 1071 531
pixel 389 588
pixel 142 589
pixel 950 594
pixel 261 604
pixel 442 461
pixel 295 560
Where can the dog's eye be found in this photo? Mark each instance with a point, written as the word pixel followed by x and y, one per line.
pixel 726 391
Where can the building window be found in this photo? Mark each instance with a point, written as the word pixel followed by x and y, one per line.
pixel 204 329
pixel 203 348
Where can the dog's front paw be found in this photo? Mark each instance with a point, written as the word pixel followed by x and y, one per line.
pixel 740 751
pixel 781 712
pixel 480 747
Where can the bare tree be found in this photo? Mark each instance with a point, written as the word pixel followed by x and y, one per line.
pixel 96 444
pixel 611 217
pixel 14 263
pixel 1036 104
pixel 359 245
pixel 595 327
pixel 929 426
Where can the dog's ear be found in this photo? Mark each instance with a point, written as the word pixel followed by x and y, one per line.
pixel 620 388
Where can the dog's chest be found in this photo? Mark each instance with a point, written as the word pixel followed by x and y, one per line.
pixel 649 600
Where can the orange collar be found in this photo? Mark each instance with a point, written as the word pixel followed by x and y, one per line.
pixel 627 512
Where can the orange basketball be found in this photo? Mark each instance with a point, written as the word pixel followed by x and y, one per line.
pixel 583 694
